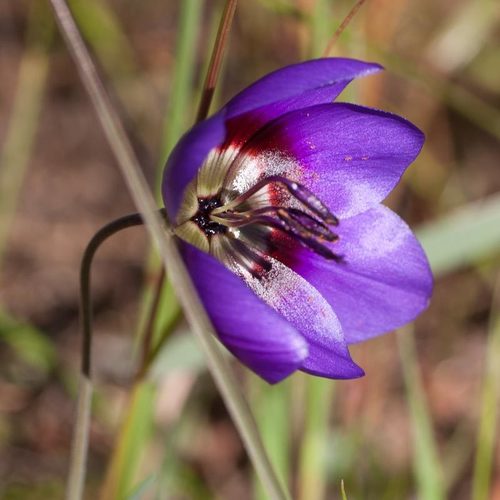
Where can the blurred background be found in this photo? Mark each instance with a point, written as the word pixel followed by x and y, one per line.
pixel 421 424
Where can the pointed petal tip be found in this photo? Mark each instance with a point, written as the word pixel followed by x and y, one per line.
pixel 349 370
pixel 296 81
pixel 365 67
pixel 332 362
pixel 273 378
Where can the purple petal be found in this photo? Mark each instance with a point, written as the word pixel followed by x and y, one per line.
pixel 187 157
pixel 295 81
pixel 325 363
pixel 351 157
pixel 256 334
pixel 304 307
pixel 384 282
pixel 294 87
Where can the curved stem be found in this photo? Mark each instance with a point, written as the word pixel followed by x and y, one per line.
pixel 85 303
pixel 78 460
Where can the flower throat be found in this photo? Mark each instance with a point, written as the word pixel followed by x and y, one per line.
pixel 305 219
pixel 203 216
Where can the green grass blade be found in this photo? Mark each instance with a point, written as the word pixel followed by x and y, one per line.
pixel 271 405
pixel 103 30
pixel 430 485
pixel 312 464
pixel 139 492
pixel 79 448
pixel 178 115
pixel 489 409
pixel 134 432
pixel 23 122
pixel 28 343
pixel 180 110
pixel 342 490
pixel 321 27
pixel 462 237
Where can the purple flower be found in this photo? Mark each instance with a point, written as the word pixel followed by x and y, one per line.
pixel 278 198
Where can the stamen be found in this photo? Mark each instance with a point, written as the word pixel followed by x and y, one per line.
pixel 286 224
pixel 243 255
pixel 307 198
pixel 307 238
pixel 308 222
pixel 311 224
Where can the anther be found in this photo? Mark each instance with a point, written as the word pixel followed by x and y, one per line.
pixel 247 258
pixel 308 199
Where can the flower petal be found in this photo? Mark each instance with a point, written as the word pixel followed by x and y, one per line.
pixel 351 157
pixel 324 362
pixel 256 334
pixel 384 281
pixel 287 89
pixel 294 87
pixel 187 157
pixel 304 308
pixel 295 81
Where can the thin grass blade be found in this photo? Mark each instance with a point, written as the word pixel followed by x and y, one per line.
pixel 271 405
pixel 430 485
pixel 312 479
pixel 180 109
pixel 105 34
pixel 23 122
pixel 483 462
pixel 134 432
pixel 462 237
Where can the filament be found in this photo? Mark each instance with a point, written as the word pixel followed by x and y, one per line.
pixel 307 198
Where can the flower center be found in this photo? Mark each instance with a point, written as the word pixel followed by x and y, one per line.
pixel 248 224
pixel 202 217
pixel 303 216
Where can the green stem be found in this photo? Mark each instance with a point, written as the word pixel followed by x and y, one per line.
pixel 86 306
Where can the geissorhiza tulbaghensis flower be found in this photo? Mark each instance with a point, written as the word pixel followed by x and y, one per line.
pixel 277 200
